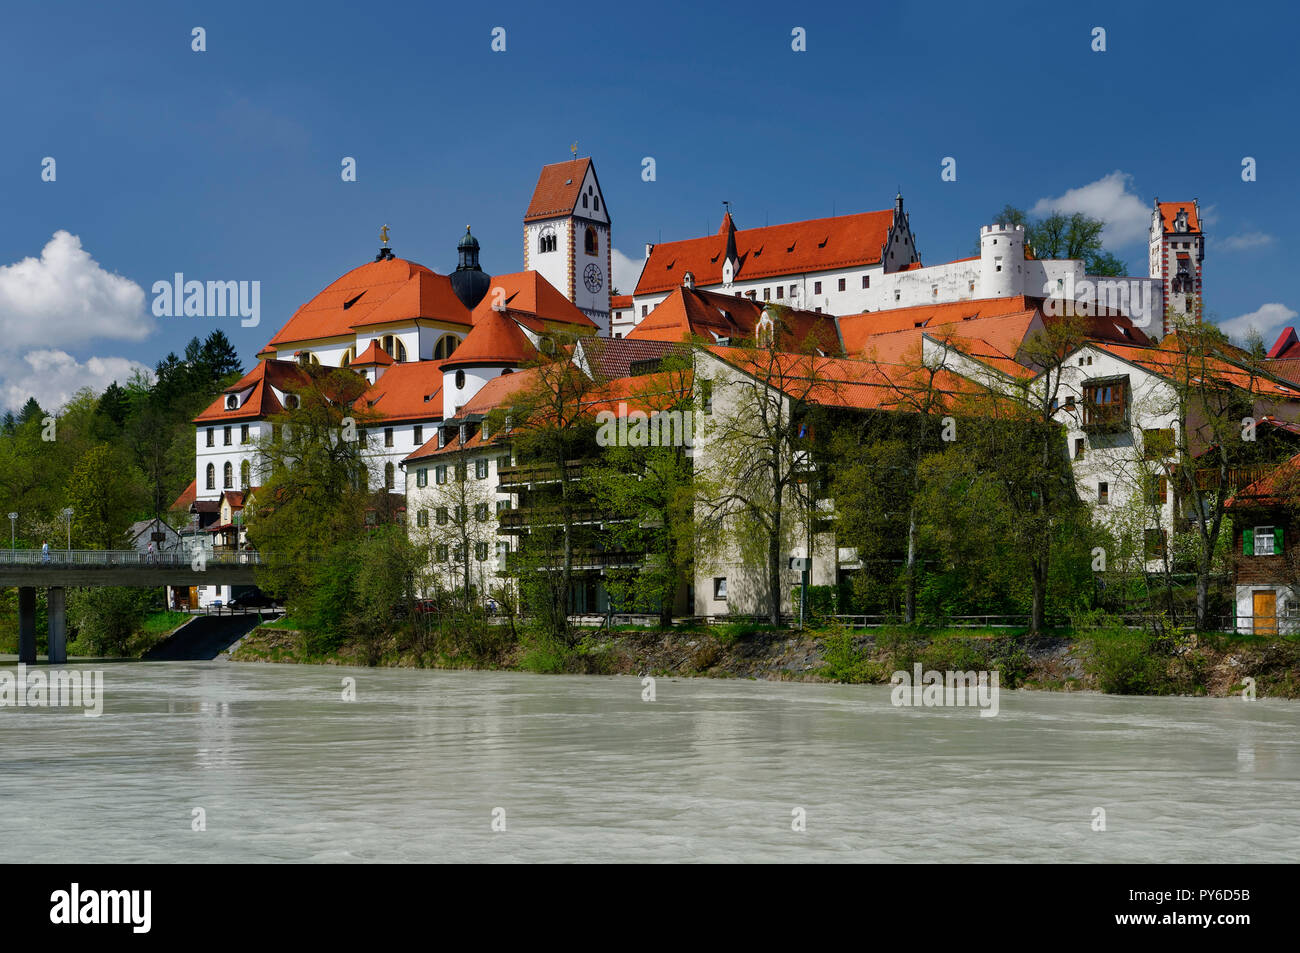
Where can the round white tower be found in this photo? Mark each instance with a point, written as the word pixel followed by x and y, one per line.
pixel 1002 261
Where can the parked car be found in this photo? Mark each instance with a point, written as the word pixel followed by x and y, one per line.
pixel 426 606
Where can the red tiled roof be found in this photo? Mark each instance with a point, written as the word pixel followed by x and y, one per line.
pixel 794 248
pixel 1286 346
pixel 843 382
pixel 557 189
pixel 530 293
pixel 406 392
pixel 856 329
pixel 619 302
pixel 974 317
pixel 261 401
pixel 379 292
pixel 1279 485
pixel 1166 361
pixel 1169 211
pixel 608 358
pixel 495 339
pixel 692 312
pixel 188 496
pixel 373 354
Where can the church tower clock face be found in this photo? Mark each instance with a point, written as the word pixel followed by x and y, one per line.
pixel 592 278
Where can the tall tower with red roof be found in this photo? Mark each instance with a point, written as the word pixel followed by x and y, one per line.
pixel 1177 247
pixel 567 236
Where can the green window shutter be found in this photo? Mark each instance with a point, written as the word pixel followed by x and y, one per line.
pixel 1277 540
pixel 1248 542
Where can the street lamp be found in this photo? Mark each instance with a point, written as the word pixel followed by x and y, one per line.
pixel 67 518
pixel 13 538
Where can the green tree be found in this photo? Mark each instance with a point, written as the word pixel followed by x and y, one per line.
pixel 106 494
pixel 646 492
pixel 1072 236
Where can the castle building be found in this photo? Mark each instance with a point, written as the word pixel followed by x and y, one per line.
pixel 1177 248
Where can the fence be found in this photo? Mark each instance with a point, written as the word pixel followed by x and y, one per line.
pixel 119 558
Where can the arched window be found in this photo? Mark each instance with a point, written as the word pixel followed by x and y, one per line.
pixel 595 201
pixel 244 471
pixel 584 201
pixel 590 243
pixel 446 344
pixel 390 476
pixel 460 380
pixel 228 476
pixel 546 240
pixel 349 356
pixel 212 477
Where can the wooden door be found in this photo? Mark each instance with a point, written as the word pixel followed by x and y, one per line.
pixel 1266 612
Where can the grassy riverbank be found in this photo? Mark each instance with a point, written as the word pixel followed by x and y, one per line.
pixel 1117 661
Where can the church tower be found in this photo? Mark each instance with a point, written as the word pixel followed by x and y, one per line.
pixel 567 237
pixel 1177 247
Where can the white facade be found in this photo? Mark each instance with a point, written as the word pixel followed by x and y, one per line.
pixel 1000 270
pixel 574 252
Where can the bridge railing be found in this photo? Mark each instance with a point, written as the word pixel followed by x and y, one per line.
pixel 121 558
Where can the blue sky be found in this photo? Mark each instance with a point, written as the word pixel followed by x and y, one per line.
pixel 225 164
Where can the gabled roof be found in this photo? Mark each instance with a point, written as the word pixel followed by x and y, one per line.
pixel 1003 322
pixel 694 313
pixel 1166 361
pixel 406 392
pixel 791 249
pixel 188 496
pixel 608 358
pixel 529 293
pixel 380 292
pixel 261 401
pixel 373 354
pixel 1287 345
pixel 843 382
pixel 557 189
pixel 1279 486
pixel 1169 211
pixel 857 329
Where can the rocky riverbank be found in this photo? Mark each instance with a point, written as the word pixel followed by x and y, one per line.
pixel 1121 662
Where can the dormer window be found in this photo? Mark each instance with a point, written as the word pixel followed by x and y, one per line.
pixel 232 402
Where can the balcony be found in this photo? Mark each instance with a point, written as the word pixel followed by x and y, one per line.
pixel 525 476
pixel 539 516
pixel 1105 418
pixel 583 559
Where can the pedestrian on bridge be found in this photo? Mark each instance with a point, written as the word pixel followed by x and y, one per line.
pixel 149 555
pixel 45 551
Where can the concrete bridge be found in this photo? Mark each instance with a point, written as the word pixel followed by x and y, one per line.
pixel 27 569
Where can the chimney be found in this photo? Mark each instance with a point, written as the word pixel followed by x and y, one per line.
pixel 649 247
pixel 688 281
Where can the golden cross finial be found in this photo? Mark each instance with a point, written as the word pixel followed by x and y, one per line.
pixel 383 234
pixel 574 149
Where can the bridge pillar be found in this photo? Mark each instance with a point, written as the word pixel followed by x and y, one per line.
pixel 27 624
pixel 58 626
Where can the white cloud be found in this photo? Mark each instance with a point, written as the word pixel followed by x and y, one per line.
pixel 1111 199
pixel 1268 320
pixel 53 376
pixel 65 298
pixel 1246 241
pixel 627 271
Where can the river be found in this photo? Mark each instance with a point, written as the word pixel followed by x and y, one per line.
pixel 277 766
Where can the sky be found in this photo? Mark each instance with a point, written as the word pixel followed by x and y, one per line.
pixel 225 164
